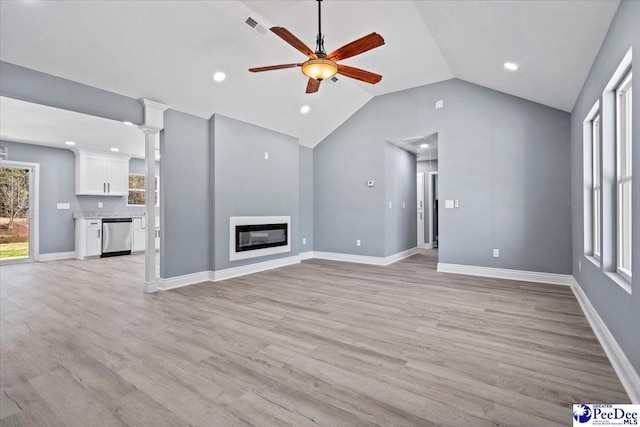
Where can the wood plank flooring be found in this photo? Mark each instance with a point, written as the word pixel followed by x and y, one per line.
pixel 319 343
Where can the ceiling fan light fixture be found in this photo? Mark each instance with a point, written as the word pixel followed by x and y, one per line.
pixel 319 69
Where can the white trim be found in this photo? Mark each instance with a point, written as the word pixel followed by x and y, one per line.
pixel 55 256
pixel 305 255
pixel 426 246
pixel 179 281
pixel 365 259
pixel 627 374
pixel 504 273
pixel 34 205
pixel 229 273
pixel 429 215
pixel 150 288
pixel 256 220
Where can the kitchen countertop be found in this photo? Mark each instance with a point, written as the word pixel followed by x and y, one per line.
pixel 98 215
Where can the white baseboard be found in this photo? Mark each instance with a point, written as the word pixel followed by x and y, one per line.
pixel 504 273
pixel 305 255
pixel 150 288
pixel 56 256
pixel 229 273
pixel 179 281
pixel 365 259
pixel 627 374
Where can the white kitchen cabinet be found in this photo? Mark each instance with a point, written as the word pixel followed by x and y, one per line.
pixel 101 174
pixel 139 234
pixel 88 238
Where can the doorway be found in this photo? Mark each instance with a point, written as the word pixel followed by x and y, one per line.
pixel 433 210
pixel 18 212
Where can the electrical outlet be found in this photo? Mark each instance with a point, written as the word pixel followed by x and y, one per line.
pixel 439 104
pixel 390 205
pixel 456 204
pixel 358 242
pixel 266 155
pixel 579 265
pixel 63 206
pixel 404 205
pixel 496 253
pixel 304 241
pixel 100 204
pixel 371 183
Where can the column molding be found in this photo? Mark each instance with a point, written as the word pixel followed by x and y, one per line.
pixel 153 124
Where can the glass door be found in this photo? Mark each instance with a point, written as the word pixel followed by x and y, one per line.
pixel 15 214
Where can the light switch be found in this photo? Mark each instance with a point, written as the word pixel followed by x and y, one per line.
pixel 448 204
pixel 456 204
pixel 404 205
pixel 496 253
pixel 304 241
pixel 266 155
pixel 358 242
pixel 100 204
pixel 390 205
pixel 64 206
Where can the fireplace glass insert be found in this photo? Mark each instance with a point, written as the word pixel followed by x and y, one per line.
pixel 251 237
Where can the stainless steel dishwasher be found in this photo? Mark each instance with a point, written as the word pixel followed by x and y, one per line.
pixel 116 236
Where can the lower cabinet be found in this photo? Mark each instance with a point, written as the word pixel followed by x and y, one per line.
pixel 88 238
pixel 140 234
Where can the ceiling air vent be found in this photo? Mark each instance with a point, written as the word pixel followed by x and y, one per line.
pixel 253 24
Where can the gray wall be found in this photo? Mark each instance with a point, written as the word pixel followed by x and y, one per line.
pixel 306 198
pixel 400 228
pixel 345 209
pixel 504 158
pixel 619 310
pixel 426 166
pixel 248 185
pixel 184 195
pixel 34 86
pixel 57 185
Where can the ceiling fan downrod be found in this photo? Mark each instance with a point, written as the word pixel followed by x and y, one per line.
pixel 320 38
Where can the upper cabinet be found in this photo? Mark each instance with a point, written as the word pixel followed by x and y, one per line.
pixel 101 174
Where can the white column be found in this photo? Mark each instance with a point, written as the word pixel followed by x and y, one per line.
pixel 153 124
pixel 150 137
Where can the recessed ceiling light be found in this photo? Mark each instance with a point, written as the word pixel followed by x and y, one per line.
pixel 70 143
pixel 424 145
pixel 219 76
pixel 115 150
pixel 128 123
pixel 305 109
pixel 510 66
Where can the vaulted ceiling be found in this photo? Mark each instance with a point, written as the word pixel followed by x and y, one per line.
pixel 167 51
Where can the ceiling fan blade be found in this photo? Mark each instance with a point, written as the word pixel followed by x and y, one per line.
pixel 357 47
pixel 313 85
pixel 358 74
pixel 287 36
pixel 273 67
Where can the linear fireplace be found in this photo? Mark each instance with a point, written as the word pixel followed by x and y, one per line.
pixel 251 237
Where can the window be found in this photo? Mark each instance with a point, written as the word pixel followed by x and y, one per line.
pixel 136 195
pixel 596 187
pixel 623 176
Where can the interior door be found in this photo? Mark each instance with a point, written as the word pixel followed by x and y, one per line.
pixel 420 216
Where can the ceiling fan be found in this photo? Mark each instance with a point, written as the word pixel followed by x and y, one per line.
pixel 321 66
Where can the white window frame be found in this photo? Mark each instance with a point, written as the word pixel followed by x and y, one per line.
pixel 129 189
pixel 596 187
pixel 623 147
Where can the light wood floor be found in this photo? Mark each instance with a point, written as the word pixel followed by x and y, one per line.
pixel 319 343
